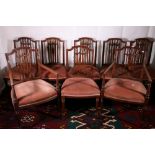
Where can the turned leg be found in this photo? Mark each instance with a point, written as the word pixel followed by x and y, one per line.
pixel 98 106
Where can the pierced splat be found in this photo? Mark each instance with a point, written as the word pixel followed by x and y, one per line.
pixel 26 62
pixel 52 51
pixel 82 55
pixel 25 42
pixel 88 42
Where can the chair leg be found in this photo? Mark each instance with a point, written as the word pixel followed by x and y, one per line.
pixel 98 107
pixel 63 106
pixel 18 119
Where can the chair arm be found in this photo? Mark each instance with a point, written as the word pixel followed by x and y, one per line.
pixel 14 98
pixel 109 67
pixel 11 77
pixel 147 96
pixel 104 74
pixel 50 71
pixel 147 73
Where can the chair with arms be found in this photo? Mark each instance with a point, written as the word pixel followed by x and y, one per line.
pixel 53 56
pixel 30 89
pixel 129 88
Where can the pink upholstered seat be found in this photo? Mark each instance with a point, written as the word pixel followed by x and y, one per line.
pixel 32 92
pixel 80 87
pixel 125 90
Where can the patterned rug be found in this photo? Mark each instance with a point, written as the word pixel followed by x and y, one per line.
pixel 81 114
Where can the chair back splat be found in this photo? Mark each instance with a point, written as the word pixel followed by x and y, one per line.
pixel 53 50
pixel 144 44
pixel 83 62
pixel 25 42
pixel 88 42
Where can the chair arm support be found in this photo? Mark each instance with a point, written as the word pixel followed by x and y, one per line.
pixel 52 72
pixel 14 98
pixel 11 77
pixel 147 96
pixel 107 70
pixel 104 74
pixel 147 73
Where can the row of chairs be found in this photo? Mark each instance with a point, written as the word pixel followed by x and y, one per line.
pixel 53 53
pixel 119 78
pixel 58 45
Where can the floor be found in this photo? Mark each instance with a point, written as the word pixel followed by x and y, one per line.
pixel 80 115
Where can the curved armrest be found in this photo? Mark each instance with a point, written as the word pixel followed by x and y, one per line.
pixel 148 83
pixel 104 74
pixel 109 67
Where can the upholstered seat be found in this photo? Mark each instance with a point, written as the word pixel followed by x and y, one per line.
pixel 125 90
pixel 59 68
pixel 87 71
pixel 80 87
pixel 32 92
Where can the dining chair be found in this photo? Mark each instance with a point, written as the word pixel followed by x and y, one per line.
pixel 30 90
pixel 126 86
pixel 53 56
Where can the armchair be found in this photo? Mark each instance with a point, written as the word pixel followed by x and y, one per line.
pixel 131 88
pixel 30 90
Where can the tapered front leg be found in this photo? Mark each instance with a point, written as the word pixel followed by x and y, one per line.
pixel 98 107
pixel 63 106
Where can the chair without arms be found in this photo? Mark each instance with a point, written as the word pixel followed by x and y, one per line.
pixel 30 89
pixel 88 42
pixel 83 62
pixel 127 89
pixel 109 47
pixel 53 56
